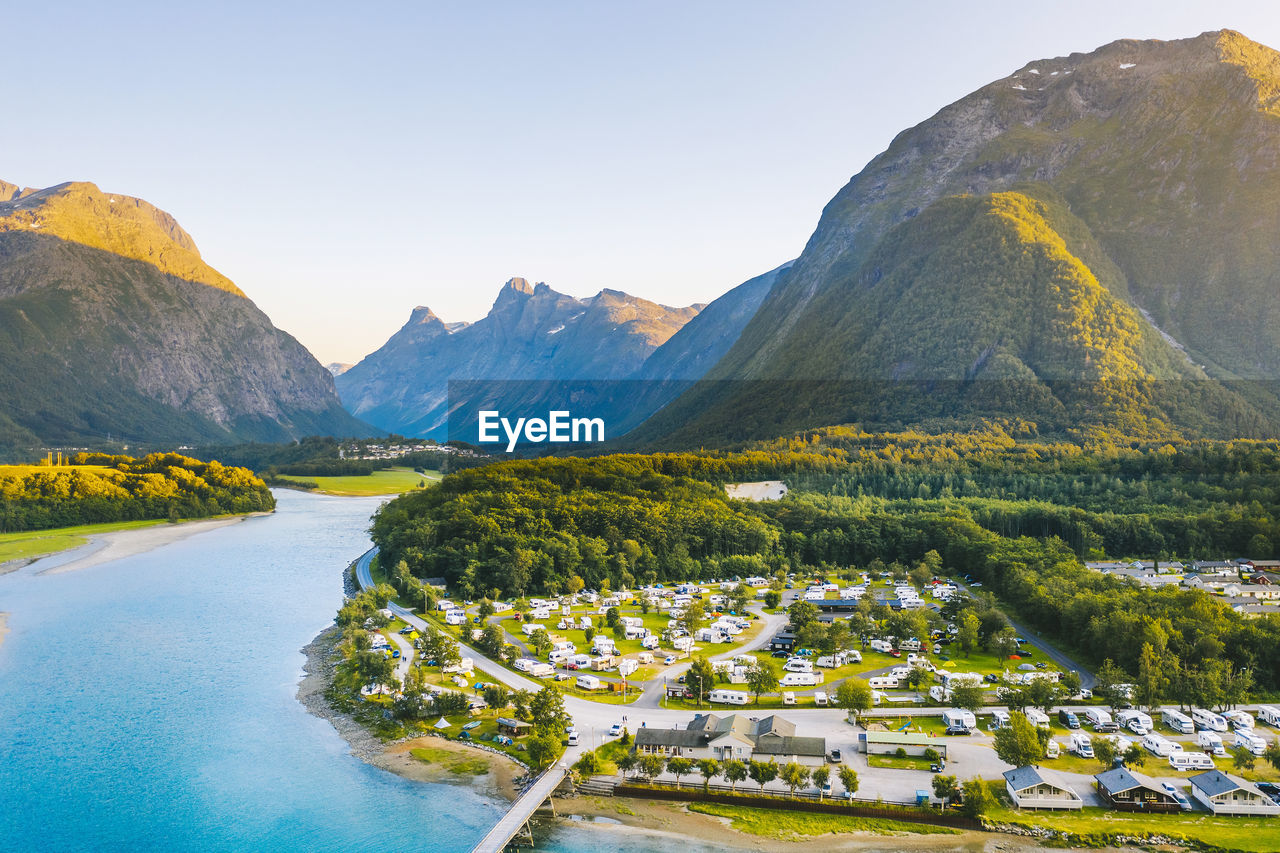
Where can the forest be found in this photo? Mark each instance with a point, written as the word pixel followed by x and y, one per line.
pixel 95 488
pixel 1018 514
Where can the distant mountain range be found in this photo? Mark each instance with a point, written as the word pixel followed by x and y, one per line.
pixel 531 340
pixel 1087 244
pixel 113 326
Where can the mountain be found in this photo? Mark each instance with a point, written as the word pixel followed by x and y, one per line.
pixel 532 333
pixel 111 324
pixel 1092 235
pixel 337 368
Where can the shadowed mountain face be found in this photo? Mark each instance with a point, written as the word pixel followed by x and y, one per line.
pixel 613 356
pixel 112 324
pixel 1096 219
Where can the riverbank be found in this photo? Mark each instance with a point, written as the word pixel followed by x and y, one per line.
pixel 4 626
pixel 447 761
pixel 119 544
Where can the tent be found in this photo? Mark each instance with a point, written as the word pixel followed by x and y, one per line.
pixel 443 724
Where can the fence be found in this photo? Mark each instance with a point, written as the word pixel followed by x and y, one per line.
pixel 801 803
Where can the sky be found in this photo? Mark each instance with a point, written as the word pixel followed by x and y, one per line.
pixel 343 163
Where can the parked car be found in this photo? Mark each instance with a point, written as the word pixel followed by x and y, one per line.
pixel 615 730
pixel 1271 789
pixel 670 659
pixel 834 756
pixel 1177 794
pixel 938 766
pixel 573 738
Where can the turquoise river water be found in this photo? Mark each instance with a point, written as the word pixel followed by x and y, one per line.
pixel 149 704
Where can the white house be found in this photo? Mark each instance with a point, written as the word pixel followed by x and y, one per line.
pixel 1033 787
pixel 1223 793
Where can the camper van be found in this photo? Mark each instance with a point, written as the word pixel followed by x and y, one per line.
pixel 832 661
pixel 1081 744
pixel 958 719
pixel 1190 761
pixel 1052 750
pixel 1098 717
pixel 645 657
pixel 588 682
pixel 882 646
pixel 1178 721
pixel 999 719
pixel 729 697
pixel 799 679
pixel 1208 720
pixel 1247 740
pixel 523 664
pixel 820 698
pixel 1240 719
pixel 788 698
pixel 1037 717
pixel 1269 715
pixel 1211 742
pixel 1160 745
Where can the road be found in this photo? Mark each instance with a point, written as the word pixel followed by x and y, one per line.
pixel 968 756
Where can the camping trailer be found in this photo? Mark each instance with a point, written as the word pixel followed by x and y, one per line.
pixel 1178 721
pixel 1097 717
pixel 729 697
pixel 1211 742
pixel 959 718
pixel 1205 719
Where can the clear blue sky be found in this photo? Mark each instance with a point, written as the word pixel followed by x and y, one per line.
pixel 346 162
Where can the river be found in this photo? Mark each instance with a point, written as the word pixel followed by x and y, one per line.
pixel 150 704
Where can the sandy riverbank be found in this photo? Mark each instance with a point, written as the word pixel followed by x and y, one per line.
pixel 4 626
pixel 499 778
pixel 118 544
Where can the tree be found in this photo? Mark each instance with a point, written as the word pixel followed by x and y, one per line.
pixel 1151 682
pixel 735 771
pixel 945 788
pixel 548 712
pixel 700 679
pixel 967 695
pixel 849 779
pixel 968 632
pixel 1070 682
pixel 540 640
pixel 1134 756
pixel 625 762
pixel 920 575
pixel 761 679
pixel 854 696
pixel 678 766
pixel 1017 743
pixel 485 610
pixel 651 765
pixel 1242 759
pixel 541 750
pixel 1273 754
pixel 762 772
pixel 1104 750
pixel 710 769
pixel 520 701
pixel 693 618
pixel 801 613
pixel 772 598
pixel 917 678
pixel 821 776
pixel 977 798
pixel 491 641
pixel 1108 677
pixel 1042 693
pixel 574 585
pixel 741 596
pixel 1005 642
pixel 794 775
pixel 588 765
pixel 496 696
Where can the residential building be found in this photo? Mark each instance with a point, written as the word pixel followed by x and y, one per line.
pixel 734 736
pixel 1127 790
pixel 1033 787
pixel 1223 793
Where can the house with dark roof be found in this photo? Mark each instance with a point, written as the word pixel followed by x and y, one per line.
pixel 734 736
pixel 1130 791
pixel 1222 793
pixel 782 641
pixel 1032 787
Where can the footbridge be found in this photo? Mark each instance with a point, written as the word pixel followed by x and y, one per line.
pixel 518 815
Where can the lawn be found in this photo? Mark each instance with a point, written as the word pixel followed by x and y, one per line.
pixel 388 481
pixel 794 826
pixel 35 543
pixel 1253 834
pixel 893 762
pixel 450 761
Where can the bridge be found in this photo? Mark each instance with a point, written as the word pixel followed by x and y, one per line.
pixel 518 815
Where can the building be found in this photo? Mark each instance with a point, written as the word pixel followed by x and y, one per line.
pixel 782 641
pixel 512 727
pixel 1130 791
pixel 1031 787
pixel 1222 793
pixel 1260 591
pixel 734 736
pixel 887 743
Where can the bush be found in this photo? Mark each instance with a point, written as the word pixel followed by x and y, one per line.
pixel 900 753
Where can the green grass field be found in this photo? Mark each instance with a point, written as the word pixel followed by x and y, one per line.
pixel 36 543
pixel 796 826
pixel 389 481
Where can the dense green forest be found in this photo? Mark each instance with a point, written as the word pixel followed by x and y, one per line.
pixel 95 488
pixel 1015 513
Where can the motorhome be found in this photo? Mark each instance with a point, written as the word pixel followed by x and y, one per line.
pixel 1240 719
pixel 1052 750
pixel 645 657
pixel 1177 721
pixel 588 682
pixel 1160 745
pixel 788 698
pixel 559 656
pixel 1269 714
pixel 882 646
pixel 1205 719
pixel 999 719
pixel 1081 744
pixel 1098 717
pixel 820 698
pixel 627 667
pixel 1037 717
pixel 523 664
pixel 959 718
pixel 912 645
pixel 832 661
pixel 799 679
pixel 729 697
pixel 1211 742
pixel 1250 742
pixel 635 632
pixel 1190 761
pixel 798 665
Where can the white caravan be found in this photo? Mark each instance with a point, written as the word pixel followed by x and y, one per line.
pixel 1205 719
